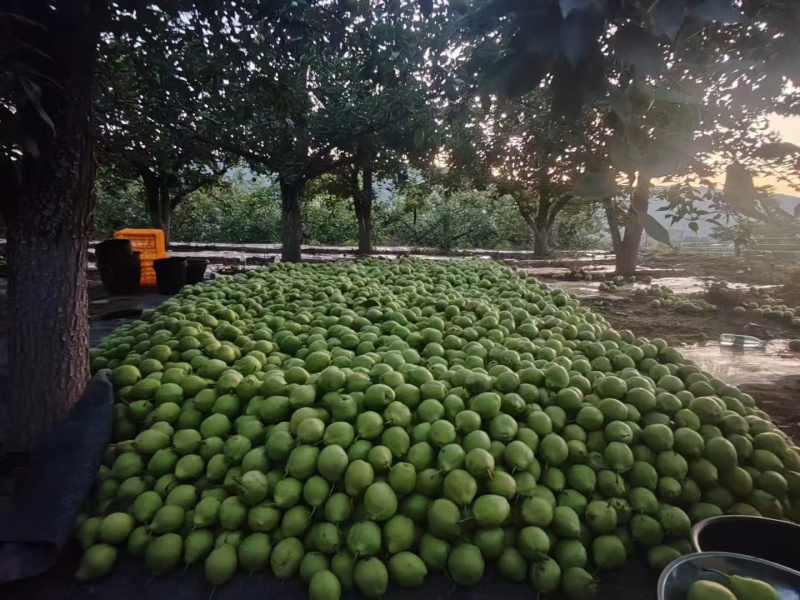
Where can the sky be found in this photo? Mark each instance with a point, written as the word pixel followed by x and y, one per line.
pixel 789 128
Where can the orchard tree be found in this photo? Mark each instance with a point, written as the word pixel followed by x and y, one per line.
pixel 688 123
pixel 402 136
pixel 385 154
pixel 520 149
pixel 148 124
pixel 592 50
pixel 391 74
pixel 323 88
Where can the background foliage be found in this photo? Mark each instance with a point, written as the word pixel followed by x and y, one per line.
pixel 247 209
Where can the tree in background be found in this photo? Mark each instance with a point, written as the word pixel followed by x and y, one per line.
pixel 243 208
pixel 686 124
pixel 148 113
pixel 518 147
pixel 300 99
pixel 120 203
pixel 392 76
pixel 657 139
pixel 587 51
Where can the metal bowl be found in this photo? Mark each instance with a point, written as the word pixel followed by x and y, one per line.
pixel 768 539
pixel 682 572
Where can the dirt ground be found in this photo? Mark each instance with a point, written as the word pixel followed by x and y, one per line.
pixel 753 269
pixel 779 400
pixel 624 313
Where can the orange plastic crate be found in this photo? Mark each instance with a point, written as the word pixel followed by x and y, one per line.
pixel 150 244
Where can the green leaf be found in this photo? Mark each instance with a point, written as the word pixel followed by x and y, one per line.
pixel 694 226
pixel 578 33
pixel 29 145
pixel 731 65
pixel 596 185
pixel 667 153
pixel 21 20
pixel 620 104
pixel 513 75
pixel 34 94
pixel 624 155
pixel 426 7
pixel 653 228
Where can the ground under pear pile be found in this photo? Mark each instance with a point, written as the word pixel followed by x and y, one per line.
pixel 364 424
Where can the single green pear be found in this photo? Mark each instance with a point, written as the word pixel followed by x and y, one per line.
pixel 703 589
pixel 747 588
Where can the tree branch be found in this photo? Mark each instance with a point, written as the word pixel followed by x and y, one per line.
pixel 613 224
pixel 326 167
pixel 526 214
pixel 557 208
pixel 243 153
pixel 205 181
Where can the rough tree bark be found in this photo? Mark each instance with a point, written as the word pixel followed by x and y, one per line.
pixel 627 258
pixel 541 229
pixel 158 203
pixel 541 224
pixel 291 218
pixel 362 201
pixel 164 217
pixel 537 223
pixel 48 217
pixel 541 241
pixel 613 225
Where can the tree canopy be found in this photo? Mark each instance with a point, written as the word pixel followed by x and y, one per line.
pixel 149 114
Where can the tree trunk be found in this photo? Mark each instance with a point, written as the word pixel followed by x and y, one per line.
pixel 613 226
pixel 541 241
pixel 541 230
pixel 164 222
pixel 48 218
pixel 291 220
pixel 158 205
pixel 362 201
pixel 538 224
pixel 627 258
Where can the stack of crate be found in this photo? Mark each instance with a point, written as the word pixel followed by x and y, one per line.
pixel 150 245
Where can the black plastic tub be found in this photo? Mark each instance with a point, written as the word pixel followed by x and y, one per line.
pixel 121 276
pixel 195 270
pixel 170 275
pixel 111 251
pixel 767 539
